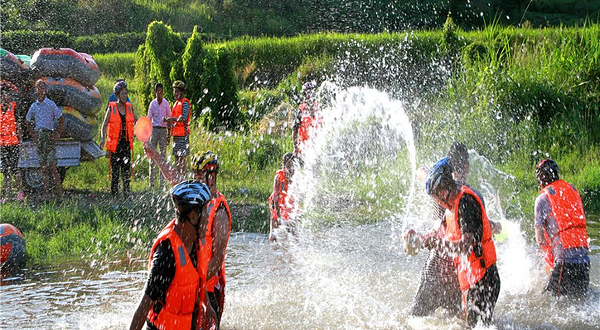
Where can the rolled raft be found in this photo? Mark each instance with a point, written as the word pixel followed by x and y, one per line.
pixel 78 126
pixel 12 67
pixel 65 62
pixel 68 92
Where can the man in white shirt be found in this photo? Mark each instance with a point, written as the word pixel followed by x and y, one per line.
pixel 158 110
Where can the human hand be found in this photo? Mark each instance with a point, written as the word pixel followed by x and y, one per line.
pixel 496 227
pixel 412 242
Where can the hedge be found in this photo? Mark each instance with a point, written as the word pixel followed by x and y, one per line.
pixel 28 41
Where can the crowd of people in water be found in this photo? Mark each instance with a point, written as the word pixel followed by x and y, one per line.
pixel 186 282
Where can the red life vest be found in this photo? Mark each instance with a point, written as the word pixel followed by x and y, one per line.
pixel 309 122
pixel 285 202
pixel 182 295
pixel 212 207
pixel 567 209
pixel 180 128
pixel 8 126
pixel 114 126
pixel 473 269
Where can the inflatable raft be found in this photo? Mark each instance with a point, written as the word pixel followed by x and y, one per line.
pixel 78 126
pixel 68 92
pixel 12 68
pixel 65 62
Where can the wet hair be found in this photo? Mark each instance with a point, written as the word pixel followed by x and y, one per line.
pixel 546 171
pixel 286 158
pixel 458 156
pixel 158 85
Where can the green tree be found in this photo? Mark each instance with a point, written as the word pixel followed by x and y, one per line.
pixel 162 48
pixel 192 61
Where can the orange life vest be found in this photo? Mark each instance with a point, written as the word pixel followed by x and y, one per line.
pixel 180 128
pixel 114 126
pixel 182 295
pixel 471 270
pixel 212 207
pixel 284 201
pixel 567 209
pixel 8 126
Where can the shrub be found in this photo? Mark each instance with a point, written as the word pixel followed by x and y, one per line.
pixel 162 48
pixel 192 69
pixel 27 41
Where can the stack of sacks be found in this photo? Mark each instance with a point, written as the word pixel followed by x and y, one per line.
pixel 70 77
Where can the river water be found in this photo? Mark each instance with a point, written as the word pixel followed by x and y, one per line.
pixel 324 281
pixel 338 273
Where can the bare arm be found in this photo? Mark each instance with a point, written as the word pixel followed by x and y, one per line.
pixel 456 247
pixel 540 237
pixel 139 317
pixel 104 126
pixel 169 173
pixel 275 200
pixel 221 236
pixel 61 122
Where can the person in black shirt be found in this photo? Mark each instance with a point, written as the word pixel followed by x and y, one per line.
pixel 467 237
pixel 175 285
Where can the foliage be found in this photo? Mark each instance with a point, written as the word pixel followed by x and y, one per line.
pixel 27 41
pixel 192 70
pixel 162 48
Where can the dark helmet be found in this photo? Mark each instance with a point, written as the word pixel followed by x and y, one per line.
pixel 190 194
pixel 119 85
pixel 439 176
pixel 546 171
pixel 207 161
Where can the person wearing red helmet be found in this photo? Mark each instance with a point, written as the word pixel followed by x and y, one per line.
pixel 560 231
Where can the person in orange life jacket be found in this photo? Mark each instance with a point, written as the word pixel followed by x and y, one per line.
pixel 468 237
pixel 280 202
pixel 44 123
pixel 439 285
pixel 206 167
pixel 117 131
pixel 307 118
pixel 180 126
pixel 172 297
pixel 560 231
pixel 10 138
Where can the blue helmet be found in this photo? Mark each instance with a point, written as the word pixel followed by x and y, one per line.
pixel 190 194
pixel 440 175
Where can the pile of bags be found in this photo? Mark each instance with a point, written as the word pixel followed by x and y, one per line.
pixel 70 77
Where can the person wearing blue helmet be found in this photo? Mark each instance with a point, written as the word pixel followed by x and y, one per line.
pixel 174 296
pixel 467 236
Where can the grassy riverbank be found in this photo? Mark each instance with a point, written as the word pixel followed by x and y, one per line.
pixel 513 95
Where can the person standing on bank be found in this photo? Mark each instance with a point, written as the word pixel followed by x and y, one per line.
pixel 45 123
pixel 158 111
pixel 174 293
pixel 117 131
pixel 468 236
pixel 180 126
pixel 560 231
pixel 10 138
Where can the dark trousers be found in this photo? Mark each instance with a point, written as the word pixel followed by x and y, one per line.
pixel 480 300
pixel 569 280
pixel 120 167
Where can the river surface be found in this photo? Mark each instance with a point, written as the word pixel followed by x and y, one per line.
pixel 348 277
